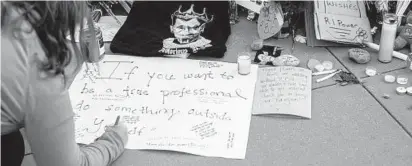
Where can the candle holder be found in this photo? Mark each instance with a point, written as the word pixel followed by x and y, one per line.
pixel 244 63
pixel 387 41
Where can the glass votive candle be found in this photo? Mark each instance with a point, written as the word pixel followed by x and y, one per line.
pixel 244 63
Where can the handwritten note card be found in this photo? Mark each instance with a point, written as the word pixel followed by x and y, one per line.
pixel 109 26
pixel 341 21
pixel 192 106
pixel 270 20
pixel 283 90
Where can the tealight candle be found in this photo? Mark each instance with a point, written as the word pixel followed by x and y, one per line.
pixel 401 90
pixel 403 80
pixel 390 78
pixel 409 91
pixel 370 71
pixel 244 63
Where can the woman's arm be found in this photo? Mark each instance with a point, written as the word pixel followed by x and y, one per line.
pixel 49 120
pixel 52 137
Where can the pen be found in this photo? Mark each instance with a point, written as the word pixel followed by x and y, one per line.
pixel 109 11
pixel 117 120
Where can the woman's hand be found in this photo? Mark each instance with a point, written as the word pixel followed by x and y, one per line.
pixel 121 130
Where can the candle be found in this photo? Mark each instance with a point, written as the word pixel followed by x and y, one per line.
pixel 244 63
pixel 388 35
pixel 409 62
pixel 370 71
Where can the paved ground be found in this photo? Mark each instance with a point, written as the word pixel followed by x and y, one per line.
pixel 350 125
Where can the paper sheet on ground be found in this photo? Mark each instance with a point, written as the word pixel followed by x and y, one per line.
pixel 192 106
pixel 283 90
pixel 109 26
pixel 341 21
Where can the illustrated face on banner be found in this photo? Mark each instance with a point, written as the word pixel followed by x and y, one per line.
pixel 187 28
pixel 187 31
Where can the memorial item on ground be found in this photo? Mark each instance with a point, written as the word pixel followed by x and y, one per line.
pixel 328 76
pixel 359 55
pixel 267 54
pixel 191 106
pixel 324 72
pixel 328 65
pixel 300 39
pixel 405 36
pixel 370 71
pixel 286 60
pixel 388 35
pixel 312 63
pixel 347 77
pixel 409 90
pixel 319 68
pixel 386 96
pixel 341 21
pixel 401 90
pixel 270 19
pixel 395 54
pixel 283 90
pixel 174 29
pixel 257 44
pixel 244 63
pixel 233 12
pixel 389 78
pixel 402 79
pixel 409 62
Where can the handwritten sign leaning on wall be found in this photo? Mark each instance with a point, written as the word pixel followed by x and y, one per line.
pixel 191 106
pixel 341 21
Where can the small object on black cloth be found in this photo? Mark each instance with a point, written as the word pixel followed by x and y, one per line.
pixel 267 53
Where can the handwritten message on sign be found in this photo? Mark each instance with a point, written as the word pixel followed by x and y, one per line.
pixel 283 90
pixel 270 20
pixel 342 21
pixel 197 107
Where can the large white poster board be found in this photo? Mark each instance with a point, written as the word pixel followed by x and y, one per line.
pixel 197 107
pixel 341 21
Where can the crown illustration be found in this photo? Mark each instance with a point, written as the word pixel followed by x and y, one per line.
pixel 190 14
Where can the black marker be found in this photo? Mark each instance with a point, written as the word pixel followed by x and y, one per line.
pixel 117 120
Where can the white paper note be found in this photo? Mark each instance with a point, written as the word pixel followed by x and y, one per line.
pixel 283 90
pixel 192 106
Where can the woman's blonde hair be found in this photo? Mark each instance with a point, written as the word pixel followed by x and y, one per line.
pixel 53 21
